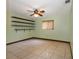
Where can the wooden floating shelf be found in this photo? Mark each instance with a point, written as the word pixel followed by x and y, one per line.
pixel 22 26
pixel 23 22
pixel 30 24
pixel 23 29
pixel 22 19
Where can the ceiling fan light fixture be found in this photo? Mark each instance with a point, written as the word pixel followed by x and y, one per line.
pixel 35 15
pixel 38 12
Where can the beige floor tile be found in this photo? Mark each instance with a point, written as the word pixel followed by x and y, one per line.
pixel 38 49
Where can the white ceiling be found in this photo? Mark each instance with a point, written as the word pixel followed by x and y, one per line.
pixel 51 7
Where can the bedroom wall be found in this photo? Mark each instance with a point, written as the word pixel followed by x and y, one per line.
pixel 62 26
pixel 62 29
pixel 11 34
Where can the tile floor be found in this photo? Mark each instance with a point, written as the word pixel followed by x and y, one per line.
pixel 38 49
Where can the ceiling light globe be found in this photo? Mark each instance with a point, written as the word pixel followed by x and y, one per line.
pixel 36 15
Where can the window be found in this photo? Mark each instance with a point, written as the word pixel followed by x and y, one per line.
pixel 48 24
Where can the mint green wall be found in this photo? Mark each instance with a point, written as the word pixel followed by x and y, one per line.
pixel 62 27
pixel 12 35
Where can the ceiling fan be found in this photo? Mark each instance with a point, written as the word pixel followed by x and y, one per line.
pixel 37 12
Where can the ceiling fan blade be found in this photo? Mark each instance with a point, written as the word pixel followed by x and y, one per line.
pixel 40 14
pixel 31 14
pixel 42 11
pixel 29 10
